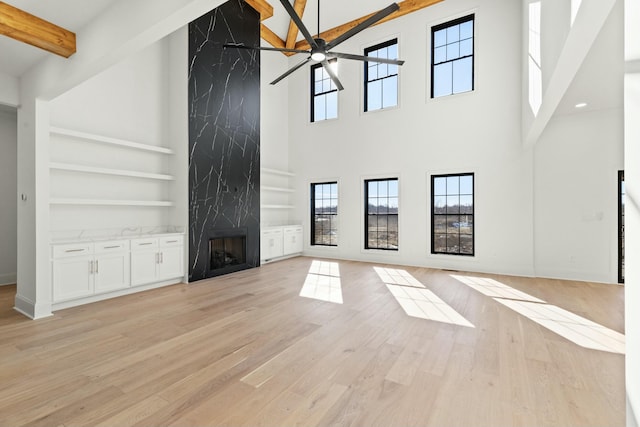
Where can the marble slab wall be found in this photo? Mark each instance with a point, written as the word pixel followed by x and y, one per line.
pixel 224 133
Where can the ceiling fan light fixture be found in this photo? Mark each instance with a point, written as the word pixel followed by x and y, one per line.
pixel 318 56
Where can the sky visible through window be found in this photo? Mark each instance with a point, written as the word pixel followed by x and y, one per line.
pixel 382 79
pixel 452 58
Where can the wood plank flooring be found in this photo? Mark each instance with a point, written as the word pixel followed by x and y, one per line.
pixel 246 350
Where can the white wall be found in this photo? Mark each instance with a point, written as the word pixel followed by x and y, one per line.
pixel 8 185
pixel 577 160
pixel 9 93
pixel 274 137
pixel 474 132
pixel 632 213
pixel 129 101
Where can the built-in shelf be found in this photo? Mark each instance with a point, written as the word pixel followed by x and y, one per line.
pixel 108 140
pixel 98 202
pixel 277 172
pixel 277 189
pixel 107 171
pixel 277 206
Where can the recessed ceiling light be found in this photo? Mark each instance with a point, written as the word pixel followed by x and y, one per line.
pixel 581 105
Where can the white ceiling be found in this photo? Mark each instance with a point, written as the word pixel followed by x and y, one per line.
pixel 17 57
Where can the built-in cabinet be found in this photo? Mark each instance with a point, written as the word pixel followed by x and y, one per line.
pixel 279 242
pixel 156 259
pixel 85 269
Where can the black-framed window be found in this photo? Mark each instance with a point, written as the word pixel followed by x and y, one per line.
pixel 381 214
pixel 621 200
pixel 381 80
pixel 452 57
pixel 324 94
pixel 452 220
pixel 324 214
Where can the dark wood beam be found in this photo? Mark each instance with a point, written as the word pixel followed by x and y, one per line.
pixel 27 28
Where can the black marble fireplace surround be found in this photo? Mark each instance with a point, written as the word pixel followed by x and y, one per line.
pixel 224 136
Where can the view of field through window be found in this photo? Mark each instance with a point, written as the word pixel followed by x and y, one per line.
pixel 324 206
pixel 382 214
pixel 452 214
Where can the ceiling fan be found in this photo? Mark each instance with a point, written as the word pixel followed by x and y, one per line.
pixel 321 50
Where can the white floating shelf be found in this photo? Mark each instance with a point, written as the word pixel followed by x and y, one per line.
pixel 277 206
pixel 277 172
pixel 107 171
pixel 98 202
pixel 109 140
pixel 278 189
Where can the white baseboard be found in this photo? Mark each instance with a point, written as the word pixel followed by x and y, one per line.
pixel 7 279
pixel 121 292
pixel 30 309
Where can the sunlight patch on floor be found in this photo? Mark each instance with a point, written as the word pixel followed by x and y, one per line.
pixel 416 300
pixel 576 329
pixel 493 288
pixel 323 282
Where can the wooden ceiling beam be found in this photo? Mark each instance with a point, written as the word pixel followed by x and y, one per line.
pixel 270 37
pixel 406 7
pixel 262 7
pixel 292 34
pixel 30 29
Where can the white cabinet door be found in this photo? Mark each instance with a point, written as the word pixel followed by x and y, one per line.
pixel 271 244
pixel 111 272
pixel 171 263
pixel 292 240
pixel 72 278
pixel 144 266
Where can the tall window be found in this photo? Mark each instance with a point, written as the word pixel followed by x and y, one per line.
pixel 324 94
pixel 324 214
pixel 452 57
pixel 381 80
pixel 621 200
pixel 381 214
pixel 452 226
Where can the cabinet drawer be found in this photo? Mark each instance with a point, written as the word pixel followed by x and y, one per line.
pixel 112 246
pixel 142 244
pixel 72 249
pixel 177 240
pixel 293 229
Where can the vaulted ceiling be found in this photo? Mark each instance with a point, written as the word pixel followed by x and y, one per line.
pixel 336 16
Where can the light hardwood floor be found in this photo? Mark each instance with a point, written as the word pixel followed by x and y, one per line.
pixel 246 349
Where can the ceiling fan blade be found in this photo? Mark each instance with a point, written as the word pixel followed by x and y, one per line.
pixel 295 18
pixel 291 70
pixel 333 75
pixel 364 24
pixel 366 58
pixel 274 49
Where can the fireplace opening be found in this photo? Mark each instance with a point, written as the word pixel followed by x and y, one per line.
pixel 227 252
